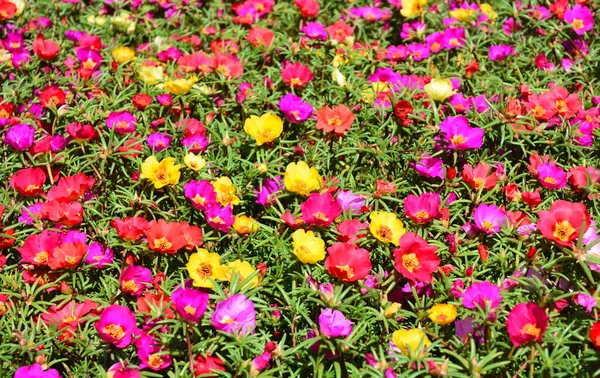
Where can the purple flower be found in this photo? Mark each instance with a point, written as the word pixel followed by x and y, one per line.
pixel 58 143
pixel 98 256
pixel 315 30
pixel 29 212
pixel 165 99
pixel 190 304
pixel 350 202
pixel 35 371
pixel 332 323
pixel 499 52
pixel 586 301
pixel 195 143
pixel 429 167
pixel 20 137
pixel 466 327
pixel 489 218
pixel 551 176
pixel 219 218
pixel 73 236
pixel 459 135
pixel 201 193
pixel 235 315
pixel 123 122
pixel 268 188
pixel 158 141
pixel 481 294
pixel 294 108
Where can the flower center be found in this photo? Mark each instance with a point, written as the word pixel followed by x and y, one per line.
pixel 217 220
pixel 162 244
pixel 458 140
pixel 563 231
pixel 422 215
pixel 334 121
pixel 41 257
pixel 321 216
pixel 129 286
pixel 190 310
pixel 227 320
pixel 204 270
pixel 385 233
pixel 550 180
pixel 199 200
pixel 538 111
pixel 295 82
pixel 487 225
pixel 155 361
pixel 346 269
pixel 115 331
pixel 89 64
pixel 410 262
pixel 531 329
pixel 578 24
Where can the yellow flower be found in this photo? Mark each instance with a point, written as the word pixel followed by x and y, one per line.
pixel 439 89
pixel 225 191
pixel 308 248
pixel 442 314
pixel 339 78
pixel 151 75
pixel 180 86
pixel 122 20
pixel 264 128
pixel 122 54
pixel 412 7
pixel 386 227
pixel 245 225
pixel 408 341
pixel 300 178
pixel 462 14
pixel 161 174
pixel 194 162
pixel 203 265
pixel 391 310
pixel 489 12
pixel 244 270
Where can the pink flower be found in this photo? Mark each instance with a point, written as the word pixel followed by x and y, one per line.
pixel 116 326
pixel 220 218
pixel 580 17
pixel 190 304
pixel 235 315
pixel 424 208
pixel 526 322
pixel 586 301
pixel 296 75
pixel 36 371
pixel 320 209
pixel 98 256
pixel 201 193
pixel 120 370
pixel 500 52
pixel 152 354
pixel 122 122
pixel 135 279
pixel 332 323
pixel 429 167
pixel 489 218
pixel 551 176
pixel 482 294
pixel 459 135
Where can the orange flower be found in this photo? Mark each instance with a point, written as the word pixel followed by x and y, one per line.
pixel 339 119
pixel 165 237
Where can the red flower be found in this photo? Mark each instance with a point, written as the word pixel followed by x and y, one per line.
pixel 45 49
pixel 258 36
pixel 130 228
pixel 471 68
pixel 37 249
pixel 296 75
pixel 595 335
pixel 532 198
pixel 578 177
pixel 71 188
pixel 192 236
pixel 480 176
pixel 308 8
pixel 28 182
pixel 384 187
pixel 52 96
pixel 7 10
pixel 81 132
pixel 320 209
pixel 339 31
pixel 228 65
pixel 67 256
pixel 511 191
pixel 349 229
pixel 402 110
pixel 339 119
pixel 565 105
pixel 541 106
pixel 165 237
pixel 348 262
pixel 526 322
pixel 67 317
pixel 155 304
pixel 424 208
pixel 207 364
pixel 141 100
pixel 65 213
pixel 563 223
pixel 415 259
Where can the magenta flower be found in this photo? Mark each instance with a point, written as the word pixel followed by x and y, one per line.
pixel 36 371
pixel 195 143
pixel 459 135
pixel 454 38
pixel 294 108
pixel 123 122
pixel 320 209
pixel 219 218
pixel 586 301
pixel 429 167
pixel 268 190
pixel 334 324
pixel 435 42
pixel 424 208
pixel 135 279
pixel 201 193
pixel 20 137
pixel 29 212
pixel 120 370
pixel 315 30
pixel 350 202
pixel 116 326
pixel 234 315
pixel 580 17
pixel 418 51
pixel 489 218
pixel 499 52
pixel 169 55
pixel 98 256
pixel 151 354
pixel 90 59
pixel 526 322
pixel 551 176
pixel 165 99
pixel 158 141
pixel 190 304
pixel 481 294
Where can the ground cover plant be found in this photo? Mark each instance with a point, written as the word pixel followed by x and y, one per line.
pixel 395 188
